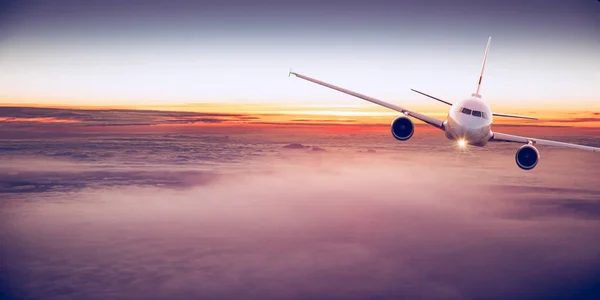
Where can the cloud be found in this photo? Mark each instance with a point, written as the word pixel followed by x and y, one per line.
pixel 248 118
pixel 324 120
pixel 295 146
pixel 575 120
pixel 323 124
pixel 344 227
pixel 36 120
pixel 228 214
pixel 49 181
pixel 34 116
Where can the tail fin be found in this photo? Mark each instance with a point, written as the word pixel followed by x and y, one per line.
pixel 487 49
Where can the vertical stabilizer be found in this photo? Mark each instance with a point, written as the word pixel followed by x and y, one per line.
pixel 487 49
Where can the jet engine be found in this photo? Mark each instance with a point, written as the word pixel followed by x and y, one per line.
pixel 527 157
pixel 402 128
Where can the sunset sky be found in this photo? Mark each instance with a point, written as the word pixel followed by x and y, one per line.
pixel 233 54
pixel 157 149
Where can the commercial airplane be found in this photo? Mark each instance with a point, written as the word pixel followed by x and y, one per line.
pixel 469 121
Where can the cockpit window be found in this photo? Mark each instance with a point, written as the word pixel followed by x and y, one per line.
pixel 474 113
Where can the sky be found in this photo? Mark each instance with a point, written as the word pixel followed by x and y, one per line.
pixel 165 54
pixel 158 150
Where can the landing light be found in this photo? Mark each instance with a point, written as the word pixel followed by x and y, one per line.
pixel 462 143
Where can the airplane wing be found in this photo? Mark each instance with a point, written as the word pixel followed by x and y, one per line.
pixel 429 120
pixel 502 137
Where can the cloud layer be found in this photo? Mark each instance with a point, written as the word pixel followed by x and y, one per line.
pixel 214 216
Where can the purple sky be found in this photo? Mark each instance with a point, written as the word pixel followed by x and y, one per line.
pixel 172 52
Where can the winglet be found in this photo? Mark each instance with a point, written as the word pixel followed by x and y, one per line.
pixel 290 73
pixel 487 49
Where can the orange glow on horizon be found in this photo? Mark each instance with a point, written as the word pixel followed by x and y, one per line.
pixel 37 120
pixel 326 114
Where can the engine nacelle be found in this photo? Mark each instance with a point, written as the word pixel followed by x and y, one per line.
pixel 527 157
pixel 402 128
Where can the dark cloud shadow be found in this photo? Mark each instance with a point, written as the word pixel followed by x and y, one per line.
pixel 19 117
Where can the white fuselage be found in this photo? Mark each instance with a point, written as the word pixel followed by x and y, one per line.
pixel 469 120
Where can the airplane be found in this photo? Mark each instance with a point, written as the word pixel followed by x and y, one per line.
pixel 469 122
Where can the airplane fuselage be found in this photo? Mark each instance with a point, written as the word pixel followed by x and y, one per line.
pixel 469 120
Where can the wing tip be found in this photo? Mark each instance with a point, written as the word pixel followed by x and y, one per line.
pixel 291 72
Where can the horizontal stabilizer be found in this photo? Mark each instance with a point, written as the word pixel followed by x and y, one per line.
pixel 514 116
pixel 495 114
pixel 432 97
